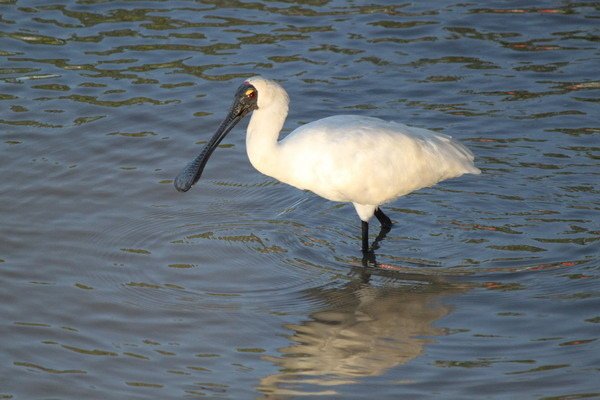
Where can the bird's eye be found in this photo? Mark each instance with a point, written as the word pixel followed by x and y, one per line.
pixel 250 93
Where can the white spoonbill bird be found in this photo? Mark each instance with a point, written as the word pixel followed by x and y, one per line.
pixel 363 160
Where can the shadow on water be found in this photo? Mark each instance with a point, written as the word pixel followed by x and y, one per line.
pixel 362 329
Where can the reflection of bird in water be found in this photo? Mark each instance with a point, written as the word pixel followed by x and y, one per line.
pixel 361 331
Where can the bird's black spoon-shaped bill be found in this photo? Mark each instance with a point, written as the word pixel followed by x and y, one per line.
pixel 192 172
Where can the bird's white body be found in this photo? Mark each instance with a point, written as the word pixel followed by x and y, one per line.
pixel 363 160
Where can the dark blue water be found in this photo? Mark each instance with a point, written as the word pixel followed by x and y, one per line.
pixel 115 286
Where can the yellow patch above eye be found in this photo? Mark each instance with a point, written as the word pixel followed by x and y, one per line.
pixel 249 92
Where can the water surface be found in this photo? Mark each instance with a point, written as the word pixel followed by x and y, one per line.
pixel 116 286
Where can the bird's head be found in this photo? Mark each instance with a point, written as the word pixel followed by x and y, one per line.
pixel 245 100
pixel 271 93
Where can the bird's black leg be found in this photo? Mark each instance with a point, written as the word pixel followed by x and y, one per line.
pixel 384 220
pixel 386 225
pixel 365 236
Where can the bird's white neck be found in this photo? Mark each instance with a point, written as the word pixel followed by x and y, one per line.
pixel 261 138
